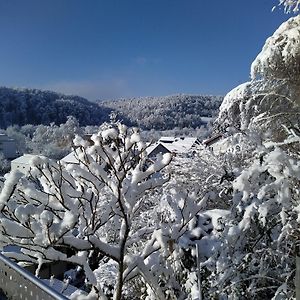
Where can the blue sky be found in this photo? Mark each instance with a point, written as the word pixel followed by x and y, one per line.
pixel 103 49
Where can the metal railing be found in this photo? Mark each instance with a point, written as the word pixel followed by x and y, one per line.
pixel 18 283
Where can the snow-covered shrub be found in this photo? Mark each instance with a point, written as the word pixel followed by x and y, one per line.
pixel 164 271
pixel 105 213
pixel 256 258
pixel 66 212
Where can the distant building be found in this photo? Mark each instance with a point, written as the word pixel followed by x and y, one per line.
pixel 174 145
pixel 22 163
pixel 8 147
pixel 217 144
pixel 212 140
pixel 70 158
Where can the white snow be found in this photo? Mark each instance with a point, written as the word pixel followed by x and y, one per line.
pixel 280 55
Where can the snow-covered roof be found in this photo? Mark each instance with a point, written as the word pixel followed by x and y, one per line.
pixel 151 148
pixel 174 144
pixel 70 158
pixel 212 140
pixel 25 159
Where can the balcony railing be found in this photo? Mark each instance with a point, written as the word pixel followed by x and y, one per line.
pixel 17 283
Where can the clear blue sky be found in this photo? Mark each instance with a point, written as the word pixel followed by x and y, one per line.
pixel 114 48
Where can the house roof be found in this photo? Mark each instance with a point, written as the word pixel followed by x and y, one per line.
pixel 70 158
pixel 24 159
pixel 212 140
pixel 152 147
pixel 174 144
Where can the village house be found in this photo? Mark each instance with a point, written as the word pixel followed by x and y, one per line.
pixel 217 144
pixel 22 163
pixel 70 158
pixel 174 145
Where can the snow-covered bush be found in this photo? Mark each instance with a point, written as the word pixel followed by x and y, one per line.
pixel 201 172
pixel 256 257
pixel 69 211
pixel 103 214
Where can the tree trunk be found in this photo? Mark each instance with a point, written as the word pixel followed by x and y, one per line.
pixel 118 290
pixel 120 280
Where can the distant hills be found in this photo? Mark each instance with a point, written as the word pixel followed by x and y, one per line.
pixel 162 113
pixel 32 106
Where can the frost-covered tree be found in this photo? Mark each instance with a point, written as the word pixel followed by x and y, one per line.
pixel 272 98
pixel 256 257
pixel 54 141
pixel 89 213
pixel 28 106
pixel 290 5
pixel 166 113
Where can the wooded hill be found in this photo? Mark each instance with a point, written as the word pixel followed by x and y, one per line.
pixel 163 113
pixel 32 106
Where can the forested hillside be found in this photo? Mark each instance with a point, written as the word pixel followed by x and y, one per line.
pixel 163 113
pixel 31 106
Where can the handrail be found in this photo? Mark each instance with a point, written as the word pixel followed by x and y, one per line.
pixel 18 283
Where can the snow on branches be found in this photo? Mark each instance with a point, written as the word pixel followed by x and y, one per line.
pixel 109 214
pixel 280 56
pixel 86 210
pixel 256 257
pixel 272 98
pixel 290 5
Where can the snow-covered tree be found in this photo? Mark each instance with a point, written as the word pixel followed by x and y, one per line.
pixel 290 5
pixel 256 257
pixel 272 98
pixel 90 211
pixel 53 141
